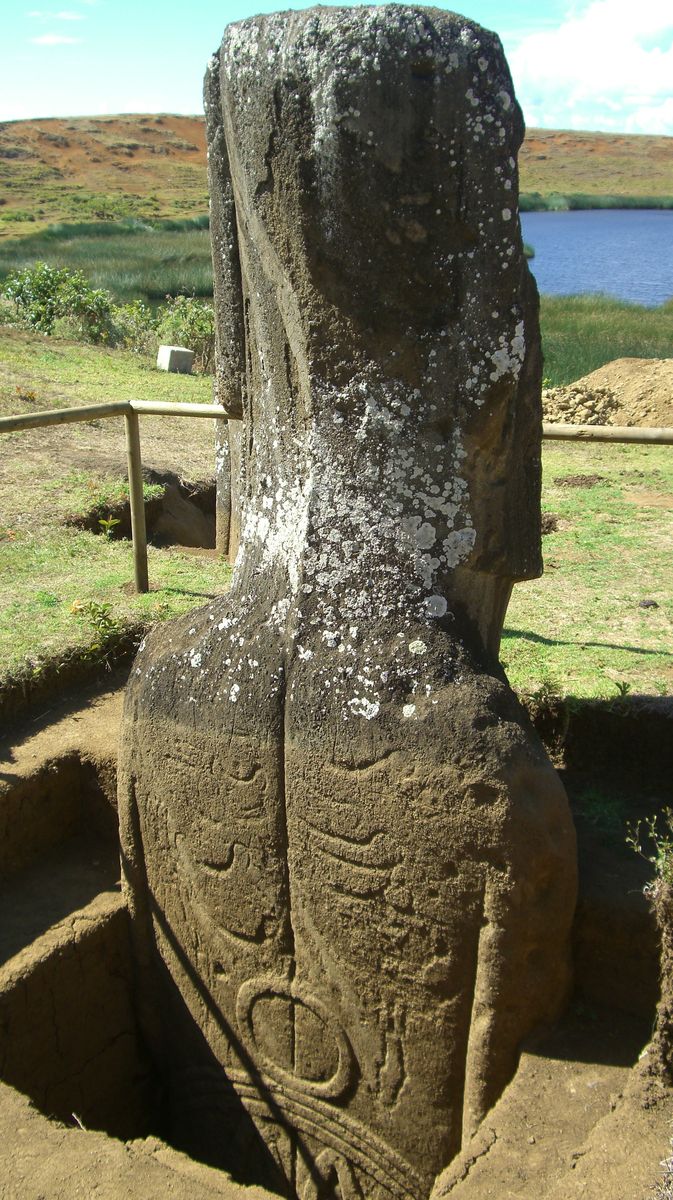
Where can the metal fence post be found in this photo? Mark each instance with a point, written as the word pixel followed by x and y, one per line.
pixel 137 500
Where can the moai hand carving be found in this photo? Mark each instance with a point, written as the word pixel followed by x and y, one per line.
pixel 342 837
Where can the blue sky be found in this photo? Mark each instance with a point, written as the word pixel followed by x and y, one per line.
pixel 577 64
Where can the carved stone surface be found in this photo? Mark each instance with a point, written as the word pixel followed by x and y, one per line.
pixel 340 832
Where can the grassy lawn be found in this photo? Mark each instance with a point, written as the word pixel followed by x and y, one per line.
pixel 580 629
pixel 39 372
pixel 63 590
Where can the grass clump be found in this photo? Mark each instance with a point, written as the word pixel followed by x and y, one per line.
pixel 582 333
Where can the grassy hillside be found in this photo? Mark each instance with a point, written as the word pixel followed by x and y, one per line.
pixel 99 168
pixel 596 164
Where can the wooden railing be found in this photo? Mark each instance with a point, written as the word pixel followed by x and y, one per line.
pixel 131 409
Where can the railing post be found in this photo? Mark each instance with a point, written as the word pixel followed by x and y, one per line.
pixel 137 500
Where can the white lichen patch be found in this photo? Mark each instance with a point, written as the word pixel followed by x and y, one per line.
pixel 436 606
pixel 360 706
pixel 417 647
pixel 508 359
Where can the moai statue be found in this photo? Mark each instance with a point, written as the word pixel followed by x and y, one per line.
pixel 350 865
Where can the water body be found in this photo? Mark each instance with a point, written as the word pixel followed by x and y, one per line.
pixel 624 253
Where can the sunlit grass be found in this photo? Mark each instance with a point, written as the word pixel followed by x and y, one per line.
pixel 132 260
pixel 581 333
pixel 581 627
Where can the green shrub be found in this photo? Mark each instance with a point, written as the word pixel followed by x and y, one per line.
pixel 45 295
pixel 185 321
pixel 36 293
pixel 134 327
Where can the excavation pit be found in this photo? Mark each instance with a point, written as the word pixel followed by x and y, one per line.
pixel 69 1039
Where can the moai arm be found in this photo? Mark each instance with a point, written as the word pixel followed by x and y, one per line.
pixel 359 863
pixel 229 385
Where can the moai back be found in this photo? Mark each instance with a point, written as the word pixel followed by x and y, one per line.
pixel 350 865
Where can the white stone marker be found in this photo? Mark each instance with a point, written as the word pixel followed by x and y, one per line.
pixel 175 358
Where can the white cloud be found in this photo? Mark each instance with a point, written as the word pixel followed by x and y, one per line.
pixel 36 14
pixel 608 65
pixel 55 39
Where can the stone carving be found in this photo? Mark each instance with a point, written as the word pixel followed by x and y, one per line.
pixel 350 865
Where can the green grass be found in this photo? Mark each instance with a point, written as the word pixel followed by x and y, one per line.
pixel 580 628
pixel 131 259
pixel 60 374
pixel 571 201
pixel 581 333
pixel 54 584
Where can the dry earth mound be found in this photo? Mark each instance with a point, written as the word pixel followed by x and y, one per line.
pixel 628 391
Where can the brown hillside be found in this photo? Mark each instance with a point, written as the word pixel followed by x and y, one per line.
pixel 613 164
pixel 93 168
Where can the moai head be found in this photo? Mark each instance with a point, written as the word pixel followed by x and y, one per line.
pixel 374 269
pixel 342 837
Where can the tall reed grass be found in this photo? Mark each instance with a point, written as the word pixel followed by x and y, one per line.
pixel 570 201
pixel 131 259
pixel 581 333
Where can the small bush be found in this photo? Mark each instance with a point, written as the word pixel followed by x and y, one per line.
pixel 185 321
pixel 652 839
pixel 134 327
pixel 36 294
pixel 44 295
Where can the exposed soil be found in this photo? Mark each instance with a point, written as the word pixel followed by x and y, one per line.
pixel 579 481
pixel 184 515
pixel 628 391
pixel 586 1115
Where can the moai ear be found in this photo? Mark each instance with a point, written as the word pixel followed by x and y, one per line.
pixel 228 290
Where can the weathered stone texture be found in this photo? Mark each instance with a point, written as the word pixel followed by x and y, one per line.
pixel 340 831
